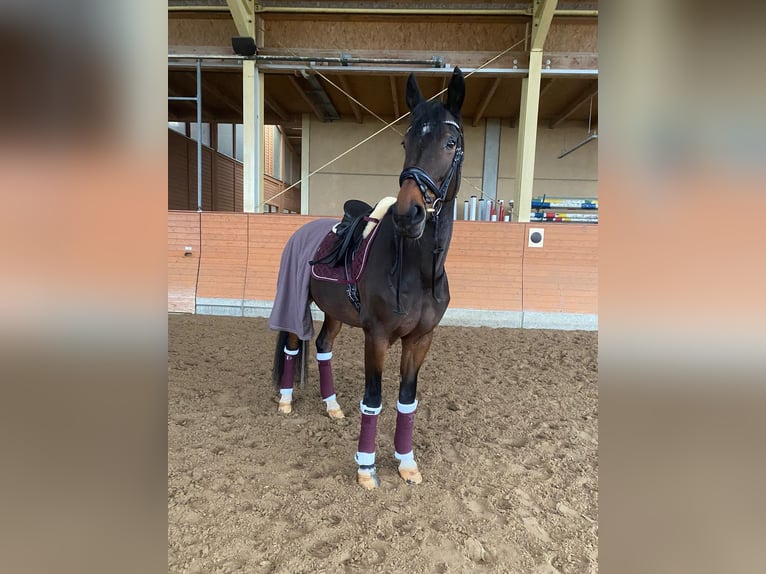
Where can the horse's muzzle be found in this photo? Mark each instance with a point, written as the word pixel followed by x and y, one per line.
pixel 412 223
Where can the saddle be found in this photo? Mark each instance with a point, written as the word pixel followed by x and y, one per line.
pixel 348 233
pixel 342 255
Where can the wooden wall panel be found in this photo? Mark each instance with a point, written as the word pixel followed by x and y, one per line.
pixel 271 187
pixel 222 178
pixel 562 276
pixel 207 177
pixel 239 186
pixel 224 255
pixel 290 199
pixel 178 182
pixel 223 175
pixel 365 33
pixel 268 150
pixel 484 266
pixel 183 230
pixel 191 176
pixel 489 264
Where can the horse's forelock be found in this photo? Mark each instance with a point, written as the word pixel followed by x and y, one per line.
pixel 429 113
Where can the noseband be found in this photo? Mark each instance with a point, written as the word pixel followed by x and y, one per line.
pixel 426 183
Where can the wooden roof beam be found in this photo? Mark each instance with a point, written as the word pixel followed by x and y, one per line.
pixel 546 88
pixel 541 22
pixel 394 96
pixel 306 98
pixel 343 81
pixel 227 100
pixel 485 102
pixel 244 18
pixel 575 104
pixel 276 108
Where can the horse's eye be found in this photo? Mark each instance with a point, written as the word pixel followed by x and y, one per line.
pixel 450 143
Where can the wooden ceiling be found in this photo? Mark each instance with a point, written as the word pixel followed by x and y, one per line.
pixel 383 95
pixel 569 89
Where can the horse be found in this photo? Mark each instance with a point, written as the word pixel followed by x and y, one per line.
pixel 402 293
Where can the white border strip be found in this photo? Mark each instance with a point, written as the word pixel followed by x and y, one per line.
pixel 452 317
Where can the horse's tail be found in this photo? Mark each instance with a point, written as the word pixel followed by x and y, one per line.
pixel 279 359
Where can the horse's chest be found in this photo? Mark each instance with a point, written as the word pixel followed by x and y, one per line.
pixel 413 316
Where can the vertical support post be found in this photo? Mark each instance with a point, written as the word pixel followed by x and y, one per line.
pixel 542 17
pixel 252 119
pixel 491 158
pixel 305 165
pixel 525 153
pixel 199 135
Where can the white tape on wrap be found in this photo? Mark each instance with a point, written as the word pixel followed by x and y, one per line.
pixel 406 409
pixel 365 458
pixel 369 410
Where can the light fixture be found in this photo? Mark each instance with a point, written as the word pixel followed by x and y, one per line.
pixel 592 135
pixel 244 45
pixel 590 138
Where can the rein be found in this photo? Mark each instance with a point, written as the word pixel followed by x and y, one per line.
pixel 426 183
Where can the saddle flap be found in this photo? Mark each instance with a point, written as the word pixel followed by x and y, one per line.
pixel 354 208
pixel 348 233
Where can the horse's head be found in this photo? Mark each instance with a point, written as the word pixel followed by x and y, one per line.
pixel 433 154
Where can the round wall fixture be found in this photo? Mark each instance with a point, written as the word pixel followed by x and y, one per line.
pixel 536 237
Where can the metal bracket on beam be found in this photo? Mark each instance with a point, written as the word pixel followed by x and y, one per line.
pixel 590 138
pixel 343 59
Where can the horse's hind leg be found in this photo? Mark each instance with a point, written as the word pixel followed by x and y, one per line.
pixel 291 349
pixel 414 351
pixel 330 329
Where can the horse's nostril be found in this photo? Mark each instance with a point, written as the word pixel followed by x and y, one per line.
pixel 414 214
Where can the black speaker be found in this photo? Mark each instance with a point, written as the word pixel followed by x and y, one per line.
pixel 243 45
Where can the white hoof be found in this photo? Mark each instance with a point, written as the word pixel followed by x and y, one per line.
pixel 334 411
pixel 411 474
pixel 368 479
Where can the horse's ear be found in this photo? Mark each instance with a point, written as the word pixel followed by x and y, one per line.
pixel 456 92
pixel 414 97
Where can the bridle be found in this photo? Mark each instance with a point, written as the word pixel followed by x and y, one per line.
pixel 426 183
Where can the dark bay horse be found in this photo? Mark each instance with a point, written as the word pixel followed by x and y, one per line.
pixel 403 292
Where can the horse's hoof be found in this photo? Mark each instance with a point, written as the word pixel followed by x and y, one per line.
pixel 368 480
pixel 411 475
pixel 336 413
pixel 285 408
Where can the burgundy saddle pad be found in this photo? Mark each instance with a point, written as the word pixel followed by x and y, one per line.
pixel 338 273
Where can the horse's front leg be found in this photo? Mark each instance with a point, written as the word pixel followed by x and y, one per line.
pixel 375 348
pixel 414 351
